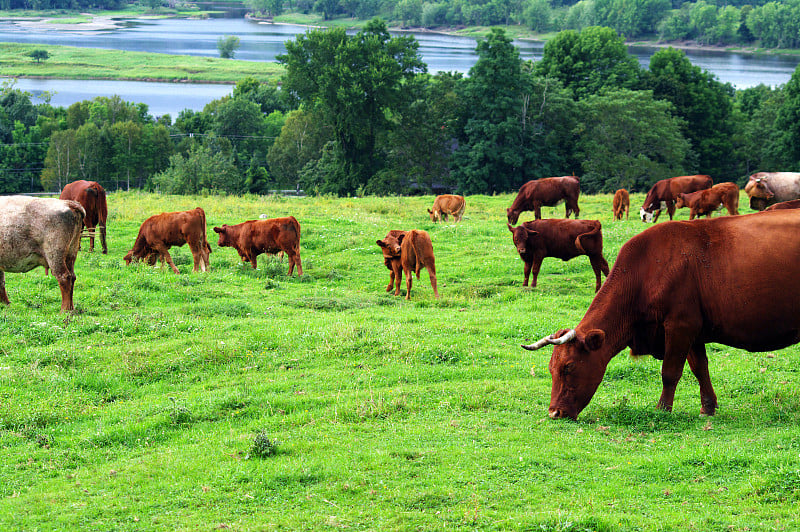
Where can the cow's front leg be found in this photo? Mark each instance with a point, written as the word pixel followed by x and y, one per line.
pixel 391 281
pixel 537 211
pixel 528 266
pixel 534 267
pixel 163 252
pixel 698 362
pixel 671 209
pixel 398 276
pixel 3 295
pixel 675 353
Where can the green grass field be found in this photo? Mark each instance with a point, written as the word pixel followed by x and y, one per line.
pixel 150 406
pixel 69 62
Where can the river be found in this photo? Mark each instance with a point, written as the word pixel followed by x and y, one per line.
pixel 263 42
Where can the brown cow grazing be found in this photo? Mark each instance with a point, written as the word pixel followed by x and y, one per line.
pixel 676 287
pixel 560 238
pixel 705 202
pixel 664 193
pixel 446 204
pixel 621 204
pixel 792 204
pixel 162 231
pixel 390 246
pixel 254 237
pixel 93 199
pixel 40 232
pixel 766 188
pixel 548 191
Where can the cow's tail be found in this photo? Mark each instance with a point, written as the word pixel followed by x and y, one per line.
pixel 78 214
pixel 296 226
pixel 102 215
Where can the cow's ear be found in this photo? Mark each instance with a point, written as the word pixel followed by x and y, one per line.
pixel 217 229
pixel 510 228
pixel 530 232
pixel 594 339
pixel 401 238
pixel 381 243
pixel 430 211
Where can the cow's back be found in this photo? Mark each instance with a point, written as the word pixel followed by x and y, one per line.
pixel 735 274
pixel 32 228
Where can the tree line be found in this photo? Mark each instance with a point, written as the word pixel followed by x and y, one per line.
pixel 359 114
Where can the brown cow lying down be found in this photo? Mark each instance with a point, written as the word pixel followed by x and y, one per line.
pixel 560 238
pixel 254 237
pixel 664 193
pixel 40 232
pixel 416 252
pixel 674 288
pixel 766 188
pixel 705 202
pixel 548 191
pixel 92 198
pixel 621 204
pixel 447 204
pixel 162 231
pixel 390 246
pixel 793 204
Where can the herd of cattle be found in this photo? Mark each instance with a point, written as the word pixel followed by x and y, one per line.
pixel 673 288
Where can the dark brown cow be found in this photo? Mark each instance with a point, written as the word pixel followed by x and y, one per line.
pixel 40 232
pixel 792 204
pixel 665 192
pixel 93 199
pixel 254 237
pixel 676 287
pixel 766 188
pixel 390 246
pixel 162 231
pixel 621 204
pixel 446 204
pixel 548 191
pixel 705 202
pixel 560 238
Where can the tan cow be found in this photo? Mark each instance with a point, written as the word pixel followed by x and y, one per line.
pixel 446 204
pixel 162 231
pixel 40 232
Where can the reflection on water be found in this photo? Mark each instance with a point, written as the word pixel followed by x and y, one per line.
pixel 264 42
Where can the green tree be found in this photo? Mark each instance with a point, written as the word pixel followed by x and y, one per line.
pixel 300 141
pixel 203 169
pixel 761 141
pixel 538 15
pixel 627 139
pixel 492 151
pixel 227 46
pixel 704 104
pixel 589 61
pixel 787 122
pixel 39 55
pixel 358 84
pixel 60 164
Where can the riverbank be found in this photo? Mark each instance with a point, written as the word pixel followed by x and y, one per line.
pixel 68 62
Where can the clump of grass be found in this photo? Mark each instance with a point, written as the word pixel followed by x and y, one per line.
pixel 263 446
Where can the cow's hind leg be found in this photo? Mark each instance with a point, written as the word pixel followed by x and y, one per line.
pixel 294 258
pixel 432 274
pixel 3 295
pixel 698 362
pixel 599 265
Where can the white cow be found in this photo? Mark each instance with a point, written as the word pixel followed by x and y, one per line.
pixel 766 188
pixel 40 232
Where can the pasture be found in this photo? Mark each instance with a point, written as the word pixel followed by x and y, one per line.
pixel 150 407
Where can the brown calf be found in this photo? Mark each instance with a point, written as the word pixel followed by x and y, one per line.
pixel 664 193
pixel 416 252
pixel 255 237
pixel 92 198
pixel 563 239
pixel 390 246
pixel 447 204
pixel 622 204
pixel 162 231
pixel 705 202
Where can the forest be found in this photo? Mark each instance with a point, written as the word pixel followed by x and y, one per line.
pixel 359 114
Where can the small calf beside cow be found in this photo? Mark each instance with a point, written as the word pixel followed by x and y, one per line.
pixel 405 252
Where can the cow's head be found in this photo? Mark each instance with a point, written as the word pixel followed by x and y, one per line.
pixel 576 368
pixel 434 215
pixel 391 245
pixel 513 216
pixel 647 214
pixel 681 202
pixel 758 190
pixel 225 239
pixel 523 238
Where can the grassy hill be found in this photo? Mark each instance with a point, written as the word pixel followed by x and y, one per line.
pixel 148 407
